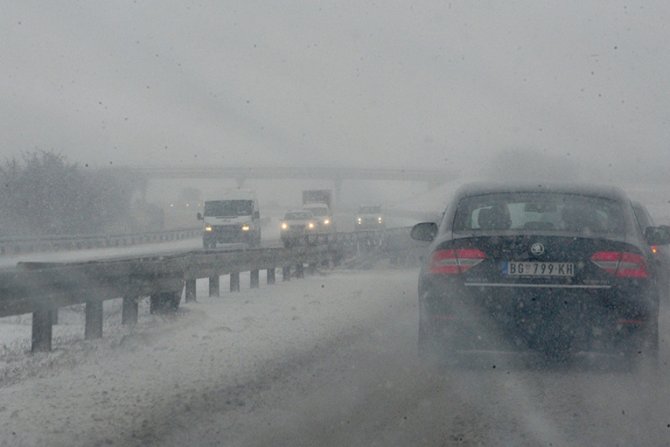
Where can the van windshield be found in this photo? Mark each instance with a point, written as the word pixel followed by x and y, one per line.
pixel 229 208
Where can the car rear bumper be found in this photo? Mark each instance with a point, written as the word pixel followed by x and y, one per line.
pixel 472 317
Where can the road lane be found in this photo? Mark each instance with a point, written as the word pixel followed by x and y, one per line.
pixel 368 389
pixel 326 361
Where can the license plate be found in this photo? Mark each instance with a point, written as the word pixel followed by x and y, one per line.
pixel 514 268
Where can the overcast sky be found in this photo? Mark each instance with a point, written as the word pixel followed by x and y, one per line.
pixel 391 83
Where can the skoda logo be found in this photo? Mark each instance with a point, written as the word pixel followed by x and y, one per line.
pixel 537 249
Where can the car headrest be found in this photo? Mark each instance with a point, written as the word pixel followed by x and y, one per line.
pixel 494 218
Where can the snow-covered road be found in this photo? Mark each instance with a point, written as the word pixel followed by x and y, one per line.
pixel 329 360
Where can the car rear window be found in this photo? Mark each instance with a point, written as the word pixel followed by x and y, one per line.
pixel 539 212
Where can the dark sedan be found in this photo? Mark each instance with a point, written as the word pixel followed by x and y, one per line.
pixel 554 269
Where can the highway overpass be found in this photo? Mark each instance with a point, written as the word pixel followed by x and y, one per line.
pixel 431 177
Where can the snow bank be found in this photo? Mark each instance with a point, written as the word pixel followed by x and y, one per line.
pixel 115 386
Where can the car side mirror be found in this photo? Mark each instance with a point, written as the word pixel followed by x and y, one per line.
pixel 657 235
pixel 199 216
pixel 425 231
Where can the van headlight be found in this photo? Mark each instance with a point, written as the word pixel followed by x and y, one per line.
pixel 326 221
pixel 311 225
pixel 284 226
pixel 359 220
pixel 208 228
pixel 246 227
pixel 380 220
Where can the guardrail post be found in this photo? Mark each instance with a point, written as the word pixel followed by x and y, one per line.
pixel 164 302
pixel 214 285
pixel 129 310
pixel 155 303
pixel 286 273
pixel 254 279
pixel 235 282
pixel 189 290
pixel 271 276
pixel 93 327
pixel 42 329
pixel 299 270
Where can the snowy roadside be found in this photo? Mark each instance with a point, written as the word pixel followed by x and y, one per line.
pixel 110 388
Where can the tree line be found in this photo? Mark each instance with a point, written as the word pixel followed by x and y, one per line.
pixel 44 194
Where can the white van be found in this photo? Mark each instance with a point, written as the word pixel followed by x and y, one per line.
pixel 233 218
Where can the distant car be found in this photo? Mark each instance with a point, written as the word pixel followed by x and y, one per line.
pixel 296 227
pixel 370 218
pixel 322 216
pixel 557 270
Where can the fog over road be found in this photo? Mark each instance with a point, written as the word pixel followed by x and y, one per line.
pixel 330 360
pixel 367 388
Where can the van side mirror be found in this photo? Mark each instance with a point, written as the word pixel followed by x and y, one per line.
pixel 199 216
pixel 425 231
pixel 657 235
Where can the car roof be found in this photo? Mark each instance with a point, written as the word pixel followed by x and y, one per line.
pixel 609 192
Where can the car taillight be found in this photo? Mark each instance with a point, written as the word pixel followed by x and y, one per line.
pixel 455 261
pixel 621 264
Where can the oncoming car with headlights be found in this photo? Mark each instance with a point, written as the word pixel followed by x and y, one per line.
pixel 370 217
pixel 552 269
pixel 323 217
pixel 296 227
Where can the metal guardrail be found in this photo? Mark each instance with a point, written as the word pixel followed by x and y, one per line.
pixel 19 245
pixel 42 288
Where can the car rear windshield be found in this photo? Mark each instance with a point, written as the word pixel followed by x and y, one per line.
pixel 229 208
pixel 539 212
